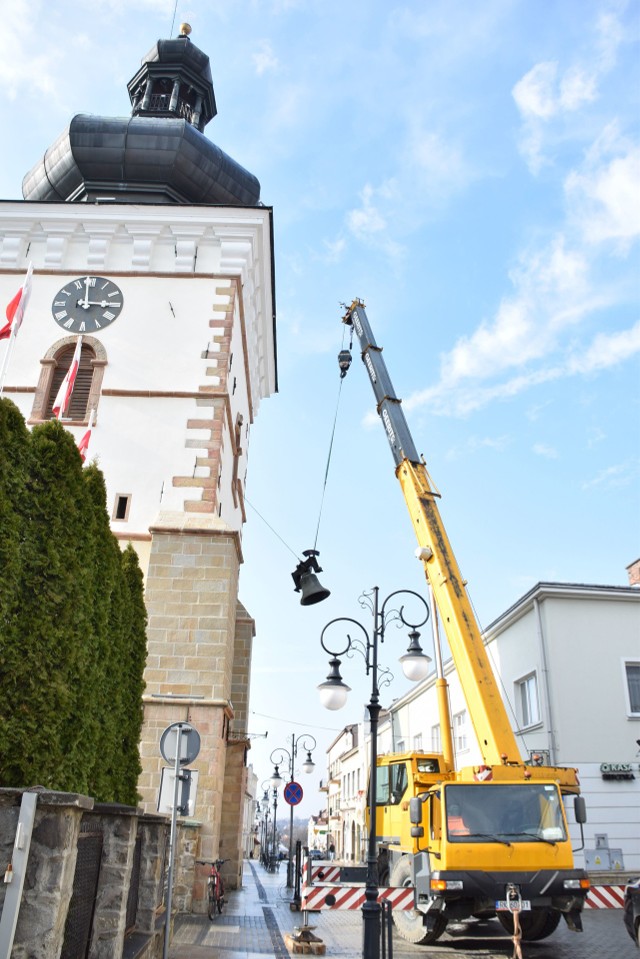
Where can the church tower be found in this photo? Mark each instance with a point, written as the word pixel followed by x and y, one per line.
pixel 151 243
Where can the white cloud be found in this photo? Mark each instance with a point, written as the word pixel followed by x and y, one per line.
pixel 496 443
pixel 547 93
pixel 541 449
pixel 604 197
pixel 607 350
pixel 368 223
pixel 460 398
pixel 265 60
pixel 612 477
pixel 535 93
pixel 551 292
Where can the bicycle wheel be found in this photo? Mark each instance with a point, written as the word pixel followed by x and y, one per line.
pixel 211 911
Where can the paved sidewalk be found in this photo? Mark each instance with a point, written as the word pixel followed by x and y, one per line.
pixel 257 917
pixel 253 924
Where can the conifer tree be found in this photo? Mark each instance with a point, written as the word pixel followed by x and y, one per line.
pixel 132 676
pixel 55 605
pixel 72 622
pixel 14 469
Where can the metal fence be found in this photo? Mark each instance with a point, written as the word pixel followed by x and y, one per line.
pixel 77 932
pixel 132 897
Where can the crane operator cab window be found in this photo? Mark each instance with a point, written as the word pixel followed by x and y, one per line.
pixel 391 784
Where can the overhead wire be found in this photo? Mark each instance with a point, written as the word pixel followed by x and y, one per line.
pixel 275 532
pixel 333 433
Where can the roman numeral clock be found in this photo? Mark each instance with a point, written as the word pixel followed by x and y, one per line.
pixel 87 304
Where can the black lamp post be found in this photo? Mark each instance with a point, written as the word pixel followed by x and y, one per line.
pixel 264 833
pixel 274 852
pixel 333 695
pixel 277 757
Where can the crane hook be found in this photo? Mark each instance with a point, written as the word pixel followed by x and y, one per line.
pixel 344 361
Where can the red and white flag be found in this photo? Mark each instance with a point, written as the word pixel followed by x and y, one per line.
pixel 83 445
pixel 66 387
pixel 17 306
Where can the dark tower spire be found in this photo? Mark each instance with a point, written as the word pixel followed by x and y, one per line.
pixel 174 81
pixel 157 155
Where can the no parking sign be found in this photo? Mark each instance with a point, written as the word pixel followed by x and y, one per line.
pixel 292 793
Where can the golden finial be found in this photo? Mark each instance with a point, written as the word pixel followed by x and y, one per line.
pixel 185 29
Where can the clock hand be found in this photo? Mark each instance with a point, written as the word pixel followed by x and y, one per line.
pixel 102 303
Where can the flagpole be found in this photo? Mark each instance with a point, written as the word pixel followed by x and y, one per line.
pixel 16 317
pixel 7 356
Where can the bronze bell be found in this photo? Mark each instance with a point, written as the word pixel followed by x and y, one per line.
pixel 312 590
pixel 307 583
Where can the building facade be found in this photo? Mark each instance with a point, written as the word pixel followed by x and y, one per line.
pixel 151 245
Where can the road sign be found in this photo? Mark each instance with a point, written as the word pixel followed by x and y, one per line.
pixel 292 793
pixel 189 739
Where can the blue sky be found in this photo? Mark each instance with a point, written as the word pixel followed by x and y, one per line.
pixel 470 170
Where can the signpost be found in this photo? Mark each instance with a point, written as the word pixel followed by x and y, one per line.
pixel 179 744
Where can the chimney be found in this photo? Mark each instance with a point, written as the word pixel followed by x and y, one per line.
pixel 633 569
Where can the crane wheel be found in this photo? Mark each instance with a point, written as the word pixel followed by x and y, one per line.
pixel 535 925
pixel 410 922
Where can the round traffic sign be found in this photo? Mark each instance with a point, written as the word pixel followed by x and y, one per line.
pixel 292 793
pixel 189 743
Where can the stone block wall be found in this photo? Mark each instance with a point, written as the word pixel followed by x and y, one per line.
pixel 60 819
pixel 199 657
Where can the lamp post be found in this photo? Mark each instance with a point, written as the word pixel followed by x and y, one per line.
pixel 277 757
pixel 273 846
pixel 264 834
pixel 333 695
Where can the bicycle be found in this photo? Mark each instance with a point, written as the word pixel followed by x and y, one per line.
pixel 215 886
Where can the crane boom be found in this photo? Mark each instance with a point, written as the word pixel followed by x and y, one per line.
pixel 486 708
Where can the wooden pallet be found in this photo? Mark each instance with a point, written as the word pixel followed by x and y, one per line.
pixel 302 948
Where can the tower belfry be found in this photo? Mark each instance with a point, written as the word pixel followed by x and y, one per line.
pixel 174 81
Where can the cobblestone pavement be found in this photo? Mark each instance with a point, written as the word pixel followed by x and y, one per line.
pixel 257 917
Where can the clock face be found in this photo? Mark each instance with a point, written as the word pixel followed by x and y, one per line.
pixel 87 304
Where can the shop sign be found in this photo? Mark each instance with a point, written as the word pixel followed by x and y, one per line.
pixel 616 771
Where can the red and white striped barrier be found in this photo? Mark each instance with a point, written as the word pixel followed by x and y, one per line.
pixel 328 895
pixel 605 897
pixel 315 898
pixel 323 872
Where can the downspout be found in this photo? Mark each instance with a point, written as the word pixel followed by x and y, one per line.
pixel 546 690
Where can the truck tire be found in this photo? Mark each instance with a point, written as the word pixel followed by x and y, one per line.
pixel 410 922
pixel 535 925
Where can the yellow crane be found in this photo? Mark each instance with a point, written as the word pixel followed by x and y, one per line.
pixel 478 841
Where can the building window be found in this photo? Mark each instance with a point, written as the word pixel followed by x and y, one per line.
pixel 88 385
pixel 460 731
pixel 400 746
pixel 121 507
pixel 632 674
pixel 436 739
pixel 417 742
pixel 527 691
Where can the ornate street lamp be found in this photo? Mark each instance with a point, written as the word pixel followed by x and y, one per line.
pixel 333 695
pixel 278 757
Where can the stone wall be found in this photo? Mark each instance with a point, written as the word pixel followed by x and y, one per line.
pixel 61 821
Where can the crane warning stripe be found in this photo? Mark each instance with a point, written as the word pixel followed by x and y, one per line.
pixel 325 873
pixel 352 897
pixel 605 897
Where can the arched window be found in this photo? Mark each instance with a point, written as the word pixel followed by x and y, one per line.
pixel 88 384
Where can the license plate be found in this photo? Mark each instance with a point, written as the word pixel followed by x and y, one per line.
pixel 503 906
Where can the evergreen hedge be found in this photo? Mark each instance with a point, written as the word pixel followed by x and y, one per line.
pixel 72 622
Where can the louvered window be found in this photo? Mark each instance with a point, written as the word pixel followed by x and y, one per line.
pixel 77 409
